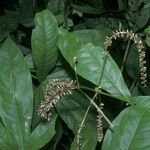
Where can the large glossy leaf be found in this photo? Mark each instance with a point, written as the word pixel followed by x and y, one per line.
pixel 44 43
pixel 132 131
pixel 15 95
pixel 41 135
pixel 90 62
pixel 72 109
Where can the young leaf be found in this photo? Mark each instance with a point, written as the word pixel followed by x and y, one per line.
pixel 72 108
pixel 44 43
pixel 132 131
pixel 15 94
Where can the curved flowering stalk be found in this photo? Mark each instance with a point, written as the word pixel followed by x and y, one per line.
pixel 100 125
pixel 138 42
pixel 53 92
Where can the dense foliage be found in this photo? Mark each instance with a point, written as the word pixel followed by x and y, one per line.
pixel 74 75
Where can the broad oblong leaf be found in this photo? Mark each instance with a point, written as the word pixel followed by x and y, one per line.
pixel 44 43
pixel 89 65
pixel 15 95
pixel 41 135
pixel 72 108
pixel 132 131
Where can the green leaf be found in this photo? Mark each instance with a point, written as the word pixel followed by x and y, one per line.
pixel 29 62
pixel 132 67
pixel 136 14
pixel 58 135
pixel 147 5
pixel 88 10
pixel 112 80
pixel 69 44
pixel 58 73
pixel 44 43
pixel 147 32
pixel 3 139
pixel 72 108
pixel 27 12
pixel 15 94
pixel 142 101
pixel 8 23
pixel 132 131
pixel 38 96
pixel 90 62
pixel 95 3
pixel 42 134
pixel 95 36
pixel 56 7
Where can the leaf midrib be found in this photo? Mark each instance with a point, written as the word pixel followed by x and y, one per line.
pixel 17 117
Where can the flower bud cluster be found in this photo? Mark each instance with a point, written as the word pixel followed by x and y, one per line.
pixel 54 90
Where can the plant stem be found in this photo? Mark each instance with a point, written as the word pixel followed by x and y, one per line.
pixel 82 123
pixel 103 66
pixel 81 127
pixel 125 55
pixel 93 90
pixel 99 110
pixel 133 84
pixel 75 70
pixel 34 77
